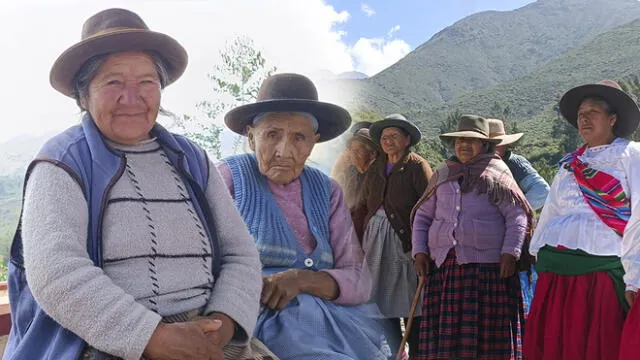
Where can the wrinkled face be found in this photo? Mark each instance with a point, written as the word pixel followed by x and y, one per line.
pixel 595 125
pixel 468 148
pixel 124 97
pixel 360 155
pixel 282 143
pixel 393 141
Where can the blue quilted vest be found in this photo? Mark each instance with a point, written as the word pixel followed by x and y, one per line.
pixel 274 238
pixel 82 152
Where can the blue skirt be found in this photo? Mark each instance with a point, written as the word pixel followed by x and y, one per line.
pixel 311 328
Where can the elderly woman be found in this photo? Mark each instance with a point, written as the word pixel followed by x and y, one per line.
pixel 343 169
pixel 313 266
pixel 362 151
pixel 392 186
pixel 129 243
pixel 468 231
pixel 586 241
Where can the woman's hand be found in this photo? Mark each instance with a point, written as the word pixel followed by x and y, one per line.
pixel 187 340
pixel 507 265
pixel 278 289
pixel 630 296
pixel 225 333
pixel 422 264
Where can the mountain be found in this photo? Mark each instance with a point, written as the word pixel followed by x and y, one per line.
pixel 610 55
pixel 487 49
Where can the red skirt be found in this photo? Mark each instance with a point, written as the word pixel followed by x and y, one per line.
pixel 469 312
pixel 630 343
pixel 573 317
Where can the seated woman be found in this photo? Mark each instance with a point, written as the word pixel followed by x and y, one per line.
pixel 313 266
pixel 130 244
pixel 471 224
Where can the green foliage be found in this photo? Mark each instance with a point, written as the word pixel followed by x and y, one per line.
pixel 236 81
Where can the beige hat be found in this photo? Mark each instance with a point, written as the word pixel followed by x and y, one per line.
pixel 471 126
pixel 496 131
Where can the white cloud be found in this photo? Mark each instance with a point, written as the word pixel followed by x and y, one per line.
pixel 372 55
pixel 393 30
pixel 367 10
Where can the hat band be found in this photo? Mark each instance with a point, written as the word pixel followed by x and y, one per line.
pixel 314 121
pixel 110 30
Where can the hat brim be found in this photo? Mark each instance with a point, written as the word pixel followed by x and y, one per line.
pixel 376 129
pixel 333 120
pixel 469 134
pixel 71 60
pixel 508 139
pixel 628 114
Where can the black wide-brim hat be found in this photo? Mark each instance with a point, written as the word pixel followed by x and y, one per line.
pixel 397 121
pixel 290 93
pixel 112 31
pixel 626 109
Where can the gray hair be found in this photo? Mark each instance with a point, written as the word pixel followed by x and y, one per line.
pixel 90 69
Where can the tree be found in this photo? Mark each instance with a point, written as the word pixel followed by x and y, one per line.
pixel 236 81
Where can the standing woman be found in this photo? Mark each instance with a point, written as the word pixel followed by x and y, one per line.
pixel 468 232
pixel 586 241
pixel 392 186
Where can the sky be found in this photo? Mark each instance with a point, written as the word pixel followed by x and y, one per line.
pixel 303 36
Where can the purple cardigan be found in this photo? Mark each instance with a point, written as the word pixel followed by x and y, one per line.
pixel 479 231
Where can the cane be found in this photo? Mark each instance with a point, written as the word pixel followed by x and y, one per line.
pixel 412 311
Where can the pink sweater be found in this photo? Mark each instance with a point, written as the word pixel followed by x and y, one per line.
pixel 350 270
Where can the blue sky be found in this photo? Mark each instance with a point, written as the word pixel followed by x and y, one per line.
pixel 418 19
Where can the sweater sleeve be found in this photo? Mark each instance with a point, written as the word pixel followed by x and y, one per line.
pixel 515 222
pixel 62 277
pixel 350 269
pixel 237 289
pixel 421 224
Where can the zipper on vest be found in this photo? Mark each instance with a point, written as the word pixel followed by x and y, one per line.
pixel 103 205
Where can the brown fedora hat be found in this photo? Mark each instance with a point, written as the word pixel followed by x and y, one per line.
pixel 290 93
pixel 628 114
pixel 496 131
pixel 112 31
pixel 397 121
pixel 471 126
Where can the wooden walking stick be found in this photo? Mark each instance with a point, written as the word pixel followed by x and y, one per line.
pixel 412 311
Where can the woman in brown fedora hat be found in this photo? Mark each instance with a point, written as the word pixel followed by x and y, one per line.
pixel 129 244
pixel 392 186
pixel 315 281
pixel 586 242
pixel 469 229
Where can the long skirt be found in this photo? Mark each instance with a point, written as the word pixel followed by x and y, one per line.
pixel 469 312
pixel 310 328
pixel 574 317
pixel 394 276
pixel 630 343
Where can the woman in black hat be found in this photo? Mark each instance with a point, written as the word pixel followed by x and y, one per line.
pixel 314 275
pixel 392 186
pixel 586 241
